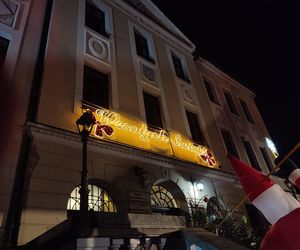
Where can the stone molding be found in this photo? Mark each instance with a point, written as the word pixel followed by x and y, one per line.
pixel 65 137
pixel 131 12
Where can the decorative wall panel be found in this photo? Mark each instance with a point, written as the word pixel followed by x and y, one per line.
pixel 187 94
pixel 148 74
pixel 8 12
pixel 97 47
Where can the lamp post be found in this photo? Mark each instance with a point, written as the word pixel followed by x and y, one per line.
pixel 85 125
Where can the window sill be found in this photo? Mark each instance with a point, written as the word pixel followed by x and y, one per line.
pixel 186 80
pixel 91 106
pixel 216 103
pixel 154 129
pixel 148 60
pixel 103 34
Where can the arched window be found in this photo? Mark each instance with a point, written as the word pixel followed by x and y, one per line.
pixel 161 197
pixel 99 200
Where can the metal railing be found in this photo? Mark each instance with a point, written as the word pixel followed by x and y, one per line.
pixel 236 228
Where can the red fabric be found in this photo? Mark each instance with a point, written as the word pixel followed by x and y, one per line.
pixel 284 234
pixel 297 182
pixel 253 182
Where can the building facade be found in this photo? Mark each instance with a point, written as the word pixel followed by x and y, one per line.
pixel 164 120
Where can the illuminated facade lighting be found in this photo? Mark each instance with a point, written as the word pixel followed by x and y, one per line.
pixel 272 147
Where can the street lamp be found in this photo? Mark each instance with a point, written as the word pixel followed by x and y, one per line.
pixel 199 186
pixel 85 125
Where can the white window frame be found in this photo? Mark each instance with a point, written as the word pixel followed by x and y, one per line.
pixel 107 15
pixel 225 90
pixel 237 146
pixel 141 85
pixel 83 59
pixel 214 89
pixel 147 36
pixel 183 64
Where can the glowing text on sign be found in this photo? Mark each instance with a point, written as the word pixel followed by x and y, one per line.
pixel 113 126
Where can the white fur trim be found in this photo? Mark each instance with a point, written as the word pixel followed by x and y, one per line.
pixel 275 203
pixel 294 176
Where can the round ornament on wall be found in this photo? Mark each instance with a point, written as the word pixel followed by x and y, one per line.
pixel 187 94
pixel 97 48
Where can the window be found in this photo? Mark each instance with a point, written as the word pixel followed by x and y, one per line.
pixel 246 111
pixel 95 87
pixel 179 70
pixel 95 19
pixel 251 154
pixel 99 200
pixel 152 109
pixel 194 127
pixel 3 50
pixel 142 47
pixel 230 102
pixel 161 197
pixel 266 158
pixel 229 143
pixel 211 91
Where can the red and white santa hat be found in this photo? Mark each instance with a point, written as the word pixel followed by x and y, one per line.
pixel 294 177
pixel 284 234
pixel 289 170
pixel 279 208
pixel 266 195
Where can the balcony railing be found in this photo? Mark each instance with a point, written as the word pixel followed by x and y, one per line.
pixel 234 226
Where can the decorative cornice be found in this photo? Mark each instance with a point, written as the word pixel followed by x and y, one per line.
pixel 44 132
pixel 153 26
pixel 219 72
pixel 139 6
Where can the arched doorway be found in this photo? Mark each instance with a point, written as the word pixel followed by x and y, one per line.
pixel 167 198
pixel 99 200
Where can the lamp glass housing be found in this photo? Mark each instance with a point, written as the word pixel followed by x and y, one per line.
pixel 199 186
pixel 85 123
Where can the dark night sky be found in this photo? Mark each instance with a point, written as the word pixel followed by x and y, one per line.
pixel 257 43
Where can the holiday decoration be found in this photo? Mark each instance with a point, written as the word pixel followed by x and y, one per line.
pixel 106 129
pixel 279 208
pixel 208 158
pixel 284 234
pixel 124 129
pixel 289 170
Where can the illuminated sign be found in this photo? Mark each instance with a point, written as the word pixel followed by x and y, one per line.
pixel 113 126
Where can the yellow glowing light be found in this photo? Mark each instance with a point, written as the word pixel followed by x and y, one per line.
pixel 113 126
pixel 272 147
pixel 138 128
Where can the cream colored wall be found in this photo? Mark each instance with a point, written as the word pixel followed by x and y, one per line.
pixel 127 76
pixel 229 192
pixel 238 125
pixel 36 221
pixel 221 114
pixel 51 182
pixel 58 170
pixel 169 86
pixel 57 94
pixel 209 120
pixel 57 173
pixel 127 82
pixel 19 67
